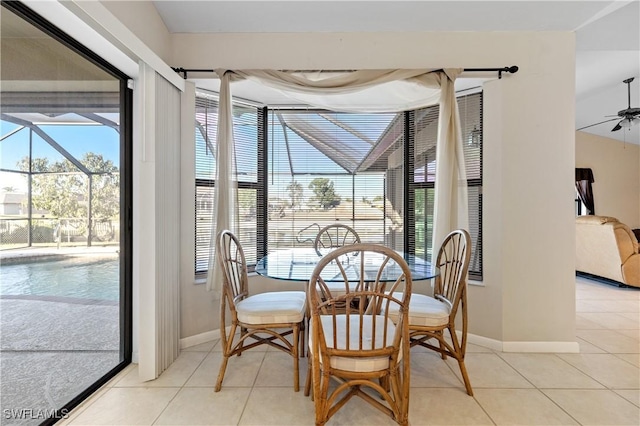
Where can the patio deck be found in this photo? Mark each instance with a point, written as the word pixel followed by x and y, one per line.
pixel 53 347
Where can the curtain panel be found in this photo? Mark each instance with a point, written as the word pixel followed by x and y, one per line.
pixel 158 271
pixel 348 92
pixel 451 204
pixel 584 179
pixel 226 188
pixel 584 174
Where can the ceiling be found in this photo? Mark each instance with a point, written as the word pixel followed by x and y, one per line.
pixel 607 34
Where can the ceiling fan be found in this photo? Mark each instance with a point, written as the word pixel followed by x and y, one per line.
pixel 627 117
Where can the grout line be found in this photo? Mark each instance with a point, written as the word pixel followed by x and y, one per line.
pixel 183 385
pixel 558 405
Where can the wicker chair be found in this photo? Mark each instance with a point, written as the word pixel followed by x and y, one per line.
pixel 429 316
pixel 333 236
pixel 265 318
pixel 356 343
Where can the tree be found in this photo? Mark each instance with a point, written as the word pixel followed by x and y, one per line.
pixel 63 190
pixel 9 189
pixel 325 194
pixel 247 202
pixel 295 193
pixel 105 186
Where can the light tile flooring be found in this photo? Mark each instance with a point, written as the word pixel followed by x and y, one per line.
pixel 598 386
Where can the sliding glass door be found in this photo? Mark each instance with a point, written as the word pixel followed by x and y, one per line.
pixel 64 236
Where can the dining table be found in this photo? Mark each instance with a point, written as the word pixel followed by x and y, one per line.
pixel 298 264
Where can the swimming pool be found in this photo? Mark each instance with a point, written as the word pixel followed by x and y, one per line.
pixel 76 277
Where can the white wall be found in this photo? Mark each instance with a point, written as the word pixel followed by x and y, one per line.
pixel 616 169
pixel 529 157
pixel 153 33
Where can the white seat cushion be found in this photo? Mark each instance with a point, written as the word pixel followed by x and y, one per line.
pixel 359 364
pixel 424 311
pixel 275 307
pixel 338 288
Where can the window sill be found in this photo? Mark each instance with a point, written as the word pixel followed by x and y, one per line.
pixel 203 279
pixel 476 283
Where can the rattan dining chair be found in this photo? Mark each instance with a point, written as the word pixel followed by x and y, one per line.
pixel 357 343
pixel 263 318
pixel 429 316
pixel 333 236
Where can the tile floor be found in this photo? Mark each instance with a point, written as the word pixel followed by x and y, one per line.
pixel 598 386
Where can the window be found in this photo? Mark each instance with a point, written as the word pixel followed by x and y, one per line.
pixel 247 121
pixel 300 170
pixel 329 167
pixel 423 134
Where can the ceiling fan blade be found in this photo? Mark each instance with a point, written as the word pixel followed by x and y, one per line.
pixel 617 127
pixel 596 124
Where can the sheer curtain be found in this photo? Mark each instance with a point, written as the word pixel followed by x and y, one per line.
pixel 451 205
pixel 226 188
pixel 350 92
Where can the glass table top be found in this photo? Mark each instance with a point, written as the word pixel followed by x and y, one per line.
pixel 298 265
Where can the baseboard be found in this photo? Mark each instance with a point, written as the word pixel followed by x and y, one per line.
pixel 543 347
pixel 496 345
pixel 198 339
pixel 485 342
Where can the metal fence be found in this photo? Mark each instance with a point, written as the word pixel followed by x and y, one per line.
pixel 24 232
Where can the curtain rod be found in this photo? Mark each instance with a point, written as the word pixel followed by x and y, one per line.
pixel 512 69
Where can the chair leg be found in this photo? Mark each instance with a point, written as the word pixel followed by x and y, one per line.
pixel 307 384
pixel 296 359
pixel 465 377
pixel 459 354
pixel 443 354
pixel 227 344
pixel 243 331
pixel 320 392
pixel 303 329
pixel 384 382
pixel 223 367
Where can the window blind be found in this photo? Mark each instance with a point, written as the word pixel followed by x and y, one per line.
pixel 246 124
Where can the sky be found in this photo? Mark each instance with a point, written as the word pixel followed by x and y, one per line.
pixel 76 139
pixel 80 139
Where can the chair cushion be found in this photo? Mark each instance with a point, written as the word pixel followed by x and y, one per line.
pixel 357 364
pixel 277 307
pixel 424 311
pixel 337 288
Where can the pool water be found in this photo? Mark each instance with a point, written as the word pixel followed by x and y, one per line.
pixel 82 278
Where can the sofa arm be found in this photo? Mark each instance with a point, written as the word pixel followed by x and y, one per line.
pixel 631 270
